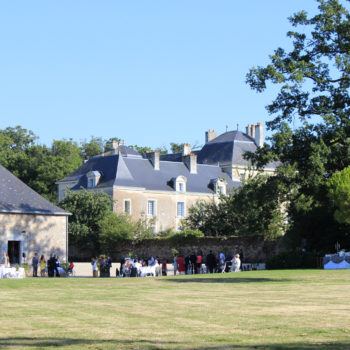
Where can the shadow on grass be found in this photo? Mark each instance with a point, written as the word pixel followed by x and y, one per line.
pixel 225 280
pixel 42 343
pixel 296 346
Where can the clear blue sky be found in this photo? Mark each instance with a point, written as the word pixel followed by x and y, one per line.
pixel 149 72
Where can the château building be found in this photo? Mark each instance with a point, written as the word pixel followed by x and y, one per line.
pixel 164 187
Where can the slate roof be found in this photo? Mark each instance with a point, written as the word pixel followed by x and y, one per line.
pixel 143 175
pixel 229 148
pixel 128 152
pixel 117 170
pixel 17 197
pixel 174 157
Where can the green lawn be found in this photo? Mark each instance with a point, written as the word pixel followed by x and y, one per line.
pixel 248 310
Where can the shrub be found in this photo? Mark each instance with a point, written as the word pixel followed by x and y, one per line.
pixel 293 260
pixel 180 237
pixel 115 228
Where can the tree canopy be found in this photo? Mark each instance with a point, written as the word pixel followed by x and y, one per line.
pixel 310 117
pixel 339 192
pixel 95 227
pixel 253 209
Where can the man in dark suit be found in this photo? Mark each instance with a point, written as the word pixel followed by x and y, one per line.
pixel 211 262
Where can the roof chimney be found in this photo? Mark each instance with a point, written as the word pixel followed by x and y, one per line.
pixel 191 162
pixel 259 134
pixel 116 146
pixel 210 135
pixel 252 131
pixel 186 149
pixel 247 129
pixel 154 158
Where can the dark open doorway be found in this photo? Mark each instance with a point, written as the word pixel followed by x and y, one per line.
pixel 13 250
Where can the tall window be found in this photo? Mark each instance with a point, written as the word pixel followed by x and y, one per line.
pixel 127 206
pixel 180 209
pixel 181 187
pixel 151 208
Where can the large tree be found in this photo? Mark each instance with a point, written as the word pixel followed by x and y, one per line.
pixel 253 209
pixel 88 210
pixel 93 147
pixel 310 116
pixel 339 192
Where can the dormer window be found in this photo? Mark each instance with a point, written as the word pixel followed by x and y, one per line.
pixel 219 186
pixel 93 177
pixel 180 184
pixel 221 189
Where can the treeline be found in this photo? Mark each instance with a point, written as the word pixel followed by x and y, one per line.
pixel 40 166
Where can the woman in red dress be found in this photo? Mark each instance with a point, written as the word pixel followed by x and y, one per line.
pixel 181 264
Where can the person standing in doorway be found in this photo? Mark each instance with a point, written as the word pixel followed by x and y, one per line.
pixel 35 263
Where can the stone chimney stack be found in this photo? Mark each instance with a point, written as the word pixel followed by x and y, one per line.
pixel 186 149
pixel 259 134
pixel 116 146
pixel 252 131
pixel 210 135
pixel 190 161
pixel 154 158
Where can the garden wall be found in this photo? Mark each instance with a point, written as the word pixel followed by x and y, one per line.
pixel 253 248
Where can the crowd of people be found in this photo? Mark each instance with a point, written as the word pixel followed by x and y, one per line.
pixel 51 267
pixel 195 263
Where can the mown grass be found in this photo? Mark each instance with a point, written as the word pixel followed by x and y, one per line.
pixel 249 310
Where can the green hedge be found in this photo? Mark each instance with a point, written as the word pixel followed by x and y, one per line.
pixel 294 260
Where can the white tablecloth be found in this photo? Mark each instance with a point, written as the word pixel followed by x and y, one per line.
pixel 11 272
pixel 147 271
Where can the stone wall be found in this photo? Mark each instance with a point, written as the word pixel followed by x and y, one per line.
pixel 253 248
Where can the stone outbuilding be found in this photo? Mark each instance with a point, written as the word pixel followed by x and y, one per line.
pixel 29 223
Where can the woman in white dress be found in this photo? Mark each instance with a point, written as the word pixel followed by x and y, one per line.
pixel 236 263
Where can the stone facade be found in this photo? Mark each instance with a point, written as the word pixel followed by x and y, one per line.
pixel 166 210
pixel 44 234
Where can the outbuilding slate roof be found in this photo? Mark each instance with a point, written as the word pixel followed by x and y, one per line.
pixel 136 172
pixel 17 197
